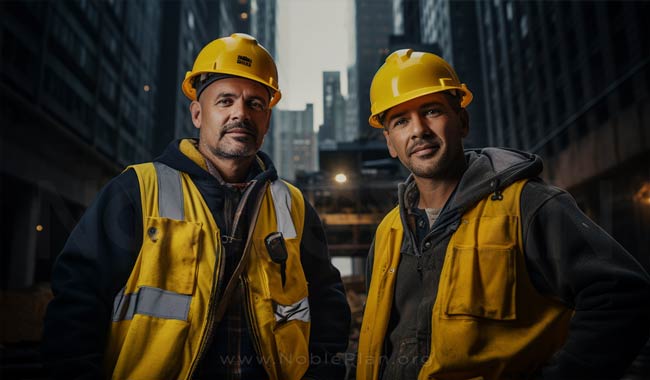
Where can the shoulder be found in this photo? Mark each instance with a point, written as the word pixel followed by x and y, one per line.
pixel 536 193
pixel 124 183
pixel 391 218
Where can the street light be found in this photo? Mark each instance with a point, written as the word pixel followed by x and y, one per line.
pixel 340 178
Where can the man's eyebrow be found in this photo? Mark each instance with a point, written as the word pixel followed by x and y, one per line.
pixel 255 97
pixel 425 105
pixel 430 104
pixel 226 95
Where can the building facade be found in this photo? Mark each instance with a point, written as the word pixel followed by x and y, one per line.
pixel 77 94
pixel 570 81
pixel 334 112
pixel 295 132
pixel 189 25
pixel 374 24
pixel 452 26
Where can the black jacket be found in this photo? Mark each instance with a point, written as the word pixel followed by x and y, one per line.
pixel 100 253
pixel 568 258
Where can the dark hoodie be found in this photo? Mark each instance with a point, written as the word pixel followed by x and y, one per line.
pixel 568 257
pixel 101 251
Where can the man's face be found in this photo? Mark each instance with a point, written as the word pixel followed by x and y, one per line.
pixel 426 134
pixel 233 117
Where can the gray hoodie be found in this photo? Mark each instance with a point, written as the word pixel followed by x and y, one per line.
pixel 568 258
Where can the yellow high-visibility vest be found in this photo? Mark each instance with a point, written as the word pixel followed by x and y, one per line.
pixel 164 315
pixel 488 321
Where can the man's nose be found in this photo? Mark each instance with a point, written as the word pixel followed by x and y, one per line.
pixel 239 111
pixel 418 127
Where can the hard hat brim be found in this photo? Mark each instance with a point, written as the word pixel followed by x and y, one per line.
pixel 373 120
pixel 190 91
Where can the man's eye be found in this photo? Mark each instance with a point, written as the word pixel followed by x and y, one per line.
pixel 224 102
pixel 433 112
pixel 256 105
pixel 400 122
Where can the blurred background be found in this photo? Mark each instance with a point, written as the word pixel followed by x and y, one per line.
pixel 90 86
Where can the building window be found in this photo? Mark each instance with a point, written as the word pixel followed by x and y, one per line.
pixel 190 19
pixel 523 25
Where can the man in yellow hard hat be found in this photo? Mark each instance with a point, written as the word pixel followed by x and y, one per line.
pixel 484 271
pixel 202 264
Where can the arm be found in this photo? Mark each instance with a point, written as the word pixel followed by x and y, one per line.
pixel 330 313
pixel 94 265
pixel 571 258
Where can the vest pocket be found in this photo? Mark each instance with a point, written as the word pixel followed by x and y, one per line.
pixel 295 285
pixel 482 283
pixel 293 353
pixel 152 349
pixel 169 255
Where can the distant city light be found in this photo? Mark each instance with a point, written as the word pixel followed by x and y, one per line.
pixel 146 88
pixel 643 195
pixel 39 228
pixel 243 16
pixel 341 178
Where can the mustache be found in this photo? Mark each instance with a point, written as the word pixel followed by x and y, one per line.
pixel 245 125
pixel 424 143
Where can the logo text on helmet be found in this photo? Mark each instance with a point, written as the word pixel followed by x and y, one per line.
pixel 243 60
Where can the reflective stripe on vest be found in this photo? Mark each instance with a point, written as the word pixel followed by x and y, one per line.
pixel 170 192
pixel 155 302
pixel 282 201
pixel 298 310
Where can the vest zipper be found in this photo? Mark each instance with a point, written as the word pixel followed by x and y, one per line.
pixel 252 322
pixel 206 339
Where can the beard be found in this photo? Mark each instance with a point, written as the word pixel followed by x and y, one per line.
pixel 444 164
pixel 244 150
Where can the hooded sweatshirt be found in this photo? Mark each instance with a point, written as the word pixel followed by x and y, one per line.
pixel 568 258
pixel 99 255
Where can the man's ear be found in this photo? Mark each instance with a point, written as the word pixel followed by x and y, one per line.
pixel 391 149
pixel 464 122
pixel 195 112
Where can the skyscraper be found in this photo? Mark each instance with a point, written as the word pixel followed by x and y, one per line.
pixel 452 26
pixel 333 128
pixel 189 25
pixel 571 81
pixel 374 23
pixel 77 95
pixel 295 130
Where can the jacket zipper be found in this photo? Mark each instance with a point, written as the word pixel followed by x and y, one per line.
pixel 206 339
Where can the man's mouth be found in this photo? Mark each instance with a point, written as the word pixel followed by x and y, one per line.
pixel 239 132
pixel 424 150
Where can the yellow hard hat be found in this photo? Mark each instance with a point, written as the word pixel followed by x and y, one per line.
pixel 239 55
pixel 409 74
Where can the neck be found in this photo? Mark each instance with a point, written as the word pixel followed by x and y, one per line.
pixel 434 193
pixel 231 170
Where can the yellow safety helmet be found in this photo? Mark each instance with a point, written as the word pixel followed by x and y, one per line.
pixel 409 74
pixel 239 55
